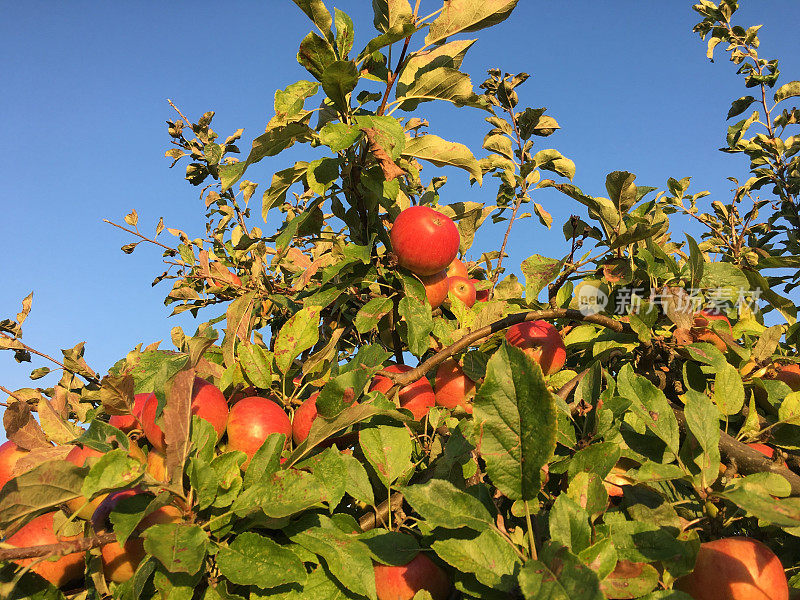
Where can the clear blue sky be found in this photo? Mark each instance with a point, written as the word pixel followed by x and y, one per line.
pixel 84 104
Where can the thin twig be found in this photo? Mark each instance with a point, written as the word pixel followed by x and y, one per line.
pixel 92 379
pixel 144 237
pixel 59 549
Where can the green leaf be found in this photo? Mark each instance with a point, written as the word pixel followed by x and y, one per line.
pixel 622 190
pixel 339 136
pixel 388 450
pixel 650 405
pixel 440 83
pixel 702 418
pixel 339 79
pixel 347 557
pixel 281 182
pixel 391 136
pixel 345 32
pixel 783 512
pixel 289 103
pixel 180 547
pixel 256 364
pixel 639 541
pixel 587 490
pixel 252 559
pixel 43 487
pixel 331 471
pixel 368 315
pixel 788 90
pixel 539 271
pixel 319 15
pixel 285 493
pixel 631 580
pixel 517 415
pixel 441 152
pixel 552 160
pixel 266 460
pixel 558 575
pixel 112 471
pixel 728 390
pixel 441 504
pixel 358 485
pixel 315 55
pixel 399 31
pixel 488 556
pixel 696 262
pixel 299 333
pixel 467 15
pixel 739 106
pixel 569 524
pixel 390 13
pixel 128 513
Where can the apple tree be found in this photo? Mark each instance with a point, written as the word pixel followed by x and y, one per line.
pixel 362 412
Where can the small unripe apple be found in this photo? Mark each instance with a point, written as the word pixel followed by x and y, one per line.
pixel 10 453
pixel 735 568
pixel 39 532
pixel 403 582
pixel 453 387
pixel 250 422
pixel 128 423
pixel 457 269
pixel 208 403
pixel 418 397
pixel 541 342
pixel 436 288
pixel 462 288
pixel 424 240
pixel 83 509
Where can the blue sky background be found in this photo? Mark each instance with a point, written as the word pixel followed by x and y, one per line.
pixel 84 104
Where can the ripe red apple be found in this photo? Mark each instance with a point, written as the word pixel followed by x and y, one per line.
pixel 39 532
pixel 788 374
pixel 462 288
pixel 83 509
pixel 541 342
pixel 303 417
pixel 418 397
pixel 250 422
pixel 453 387
pixel 403 582
pixel 208 403
pixel 424 240
pixel 10 453
pixel 436 288
pixel 128 423
pixel 457 269
pixel 735 568
pixel 121 562
pixel 480 295
pixel 702 332
pixel 156 465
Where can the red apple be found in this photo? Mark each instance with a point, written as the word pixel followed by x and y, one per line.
pixel 157 466
pixel 128 423
pixel 208 403
pixel 453 387
pixel 403 582
pixel 10 453
pixel 462 288
pixel 39 532
pixel 303 417
pixel 702 332
pixel 250 422
pixel 541 342
pixel 424 240
pixel 735 568
pixel 436 287
pixel 83 509
pixel 121 562
pixel 457 269
pixel 480 295
pixel 788 374
pixel 418 397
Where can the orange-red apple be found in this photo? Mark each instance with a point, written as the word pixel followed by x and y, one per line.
pixel 208 403
pixel 453 387
pixel 80 506
pixel 250 422
pixel 303 417
pixel 436 288
pixel 735 568
pixel 457 269
pixel 128 423
pixel 156 465
pixel 39 532
pixel 541 342
pixel 418 397
pixel 424 240
pixel 788 374
pixel 462 288
pixel 403 582
pixel 10 453
pixel 480 295
pixel 701 328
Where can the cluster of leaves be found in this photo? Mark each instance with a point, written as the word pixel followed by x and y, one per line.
pixel 512 500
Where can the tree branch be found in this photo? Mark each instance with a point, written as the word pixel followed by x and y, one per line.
pixel 59 549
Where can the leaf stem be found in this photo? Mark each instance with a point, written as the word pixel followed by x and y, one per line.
pixel 534 554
